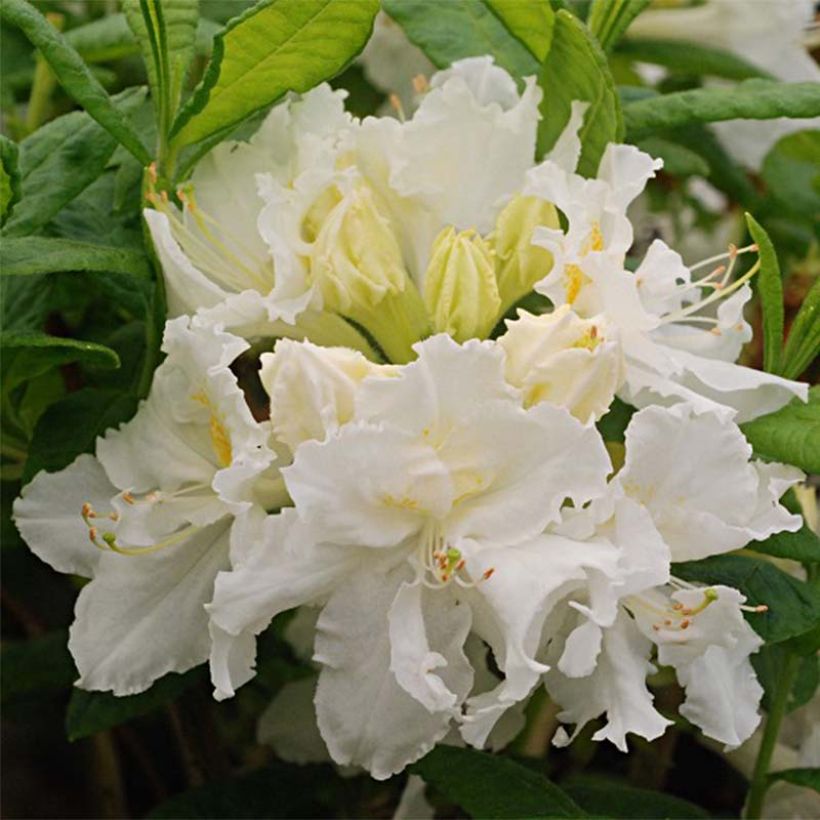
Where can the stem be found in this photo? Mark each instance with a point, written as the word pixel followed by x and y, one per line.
pixel 42 85
pixel 771 729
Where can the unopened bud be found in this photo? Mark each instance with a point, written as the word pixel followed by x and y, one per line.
pixel 460 289
pixel 519 263
pixel 561 358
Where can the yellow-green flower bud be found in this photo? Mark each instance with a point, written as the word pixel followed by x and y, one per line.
pixel 357 264
pixel 519 263
pixel 460 289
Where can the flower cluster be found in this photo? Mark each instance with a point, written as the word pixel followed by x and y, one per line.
pixel 426 477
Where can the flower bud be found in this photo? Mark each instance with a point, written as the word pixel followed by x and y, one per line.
pixel 312 389
pixel 519 263
pixel 561 358
pixel 460 290
pixel 357 264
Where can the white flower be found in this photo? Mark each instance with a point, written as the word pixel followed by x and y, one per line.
pixel 149 519
pixel 772 38
pixel 673 350
pixel 687 490
pixel 416 521
pixel 561 358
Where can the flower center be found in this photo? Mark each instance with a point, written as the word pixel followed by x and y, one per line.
pixel 442 564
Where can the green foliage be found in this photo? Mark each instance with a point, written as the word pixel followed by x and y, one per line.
pixel 752 99
pixel 810 778
pixel 57 162
pixel 791 171
pixel 92 712
pixel 606 797
pixel 531 23
pixel 465 29
pixel 613 424
pixel 769 662
pixel 41 664
pixel 9 177
pixel 803 545
pixel 690 58
pixel 677 159
pixel 576 69
pixel 609 19
pixel 770 290
pixel 278 46
pixel 793 605
pixel 44 352
pixel 791 435
pixel 493 787
pixel 73 74
pixel 29 255
pixel 803 343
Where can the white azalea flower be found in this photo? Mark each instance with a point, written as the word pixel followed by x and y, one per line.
pixel 673 349
pixel 711 499
pixel 772 36
pixel 149 518
pixel 416 521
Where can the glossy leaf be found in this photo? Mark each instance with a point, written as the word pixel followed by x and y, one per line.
pixel 73 74
pixel 57 162
pixel 576 69
pixel 770 290
pixel 276 47
pixel 609 19
pixel 752 99
pixel 531 23
pixel 690 58
pixel 793 605
pixel 24 256
pixel 791 435
pixel 493 787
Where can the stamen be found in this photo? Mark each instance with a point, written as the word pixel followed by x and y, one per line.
pixel 420 84
pixel 395 103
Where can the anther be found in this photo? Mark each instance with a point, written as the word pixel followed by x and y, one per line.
pixel 420 84
pixel 395 103
pixel 487 574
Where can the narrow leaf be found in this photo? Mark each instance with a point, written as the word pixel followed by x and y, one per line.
pixel 770 290
pixel 276 47
pixel 810 778
pixel 60 349
pixel 73 74
pixel 40 254
pixel 791 435
pixel 104 39
pixel 530 23
pixel 576 69
pixel 803 342
pixel 752 99
pixel 690 58
pixel 9 177
pixel 462 29
pixel 493 787
pixel 609 19
pixel 677 159
pixel 57 162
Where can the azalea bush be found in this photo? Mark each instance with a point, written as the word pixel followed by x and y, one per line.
pixel 407 410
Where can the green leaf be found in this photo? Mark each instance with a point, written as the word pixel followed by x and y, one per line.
pixel 29 255
pixel 166 32
pixel 41 664
pixel 609 19
pixel 530 23
pixel 92 712
pixel 791 171
pixel 803 545
pixel 768 663
pixel 677 159
pixel 690 58
pixel 488 786
pixel 752 99
pixel 9 177
pixel 613 424
pixel 70 427
pixel 770 290
pixel 73 74
pixel 803 342
pixel 794 606
pixel 276 47
pixel 462 28
pixel 576 69
pixel 791 435
pixel 104 39
pixel 57 162
pixel 60 349
pixel 603 797
pixel 277 791
pixel 810 778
